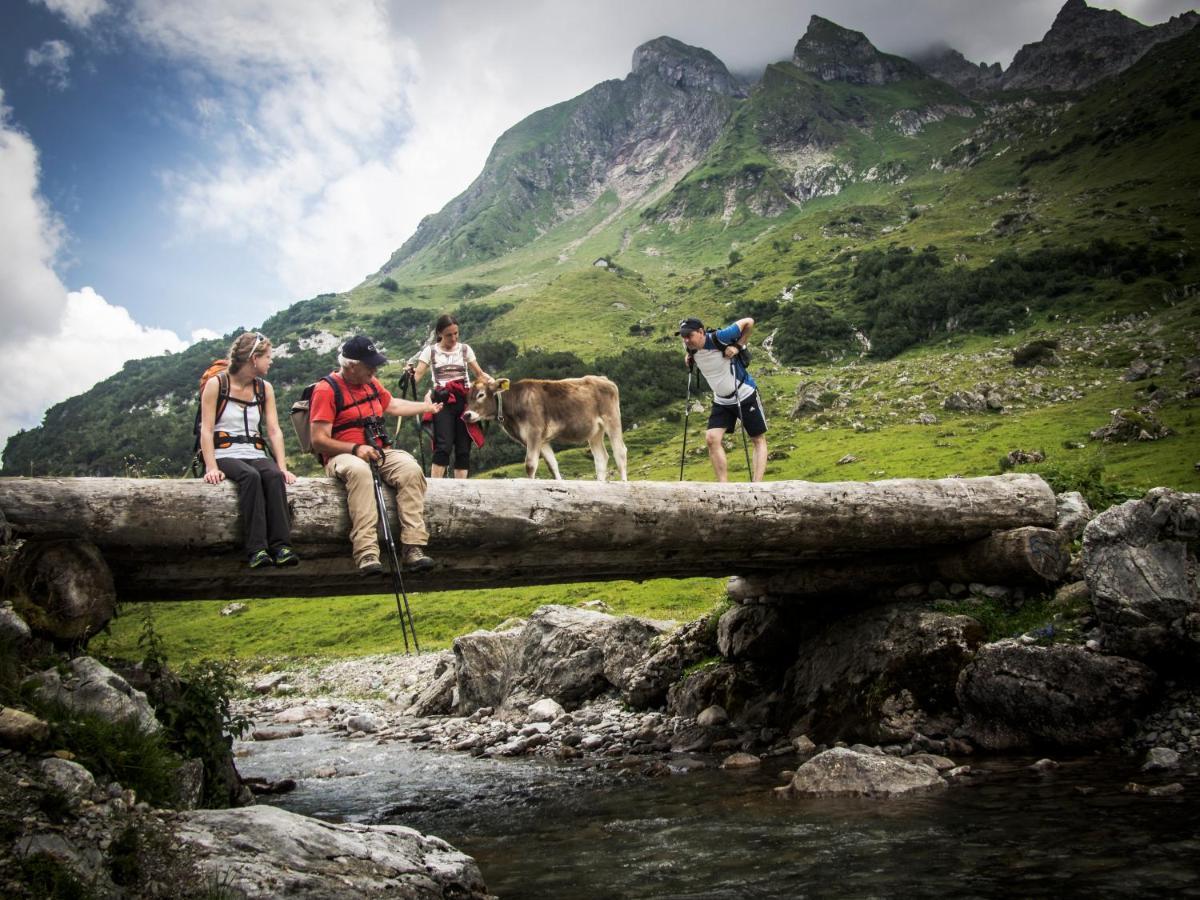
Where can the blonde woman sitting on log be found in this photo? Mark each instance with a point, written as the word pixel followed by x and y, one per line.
pixel 236 407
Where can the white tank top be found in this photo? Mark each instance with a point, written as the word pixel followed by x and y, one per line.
pixel 239 418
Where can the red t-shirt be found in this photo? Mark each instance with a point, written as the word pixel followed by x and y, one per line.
pixel 321 406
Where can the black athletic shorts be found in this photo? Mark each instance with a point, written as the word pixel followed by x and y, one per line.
pixel 749 411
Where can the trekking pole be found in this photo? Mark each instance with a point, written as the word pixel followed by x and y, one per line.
pixel 687 411
pixel 737 390
pixel 385 527
pixel 408 383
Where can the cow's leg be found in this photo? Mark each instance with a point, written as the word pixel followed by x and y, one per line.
pixel 599 454
pixel 532 451
pixel 617 439
pixel 548 453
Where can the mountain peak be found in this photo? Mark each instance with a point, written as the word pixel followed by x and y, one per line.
pixel 684 66
pixel 1085 44
pixel 833 53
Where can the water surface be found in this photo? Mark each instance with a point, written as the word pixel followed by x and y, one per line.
pixel 540 829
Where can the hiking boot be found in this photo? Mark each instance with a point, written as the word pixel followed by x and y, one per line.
pixel 414 558
pixel 286 556
pixel 369 565
pixel 259 559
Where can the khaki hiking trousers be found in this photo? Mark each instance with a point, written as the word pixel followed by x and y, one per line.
pixel 403 473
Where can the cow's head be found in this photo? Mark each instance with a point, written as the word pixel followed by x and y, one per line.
pixel 482 403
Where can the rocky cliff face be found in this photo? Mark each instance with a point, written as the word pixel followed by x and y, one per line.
pixel 632 137
pixel 948 65
pixel 1086 45
pixel 833 53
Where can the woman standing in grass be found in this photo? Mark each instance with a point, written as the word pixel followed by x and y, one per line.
pixel 235 404
pixel 452 362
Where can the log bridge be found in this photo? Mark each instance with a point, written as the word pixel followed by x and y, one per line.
pixel 164 539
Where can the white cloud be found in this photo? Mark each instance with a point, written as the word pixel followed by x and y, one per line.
pixel 55 58
pixel 203 334
pixel 54 343
pixel 76 12
pixel 92 341
pixel 31 296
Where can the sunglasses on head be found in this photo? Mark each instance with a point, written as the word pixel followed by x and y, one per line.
pixel 260 340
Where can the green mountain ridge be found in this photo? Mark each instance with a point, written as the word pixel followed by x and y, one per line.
pixel 857 222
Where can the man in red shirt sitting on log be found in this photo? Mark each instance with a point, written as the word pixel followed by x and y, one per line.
pixel 347 427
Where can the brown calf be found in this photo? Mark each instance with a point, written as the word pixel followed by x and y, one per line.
pixel 535 412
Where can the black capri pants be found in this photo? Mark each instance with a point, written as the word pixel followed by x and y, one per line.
pixel 450 433
pixel 262 496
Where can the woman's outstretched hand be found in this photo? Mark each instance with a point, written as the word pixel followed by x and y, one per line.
pixel 214 476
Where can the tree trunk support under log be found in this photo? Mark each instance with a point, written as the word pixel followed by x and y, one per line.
pixel 502 532
pixel 1023 556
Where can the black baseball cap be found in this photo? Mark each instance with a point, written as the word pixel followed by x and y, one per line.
pixel 687 326
pixel 362 349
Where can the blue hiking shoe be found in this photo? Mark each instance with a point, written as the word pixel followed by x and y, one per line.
pixel 259 559
pixel 286 556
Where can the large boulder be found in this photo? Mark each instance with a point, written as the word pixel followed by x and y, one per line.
pixel 1071 515
pixel 738 689
pixel 574 655
pixel 756 631
pixel 842 772
pixel 1139 561
pixel 89 688
pixel 484 666
pixel 852 678
pixel 1017 695
pixel 262 851
pixel 648 682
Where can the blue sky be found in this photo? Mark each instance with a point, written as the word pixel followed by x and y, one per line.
pixel 171 169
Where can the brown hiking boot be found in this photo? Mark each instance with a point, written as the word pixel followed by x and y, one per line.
pixel 369 565
pixel 414 558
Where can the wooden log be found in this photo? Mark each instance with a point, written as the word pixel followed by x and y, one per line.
pixel 62 588
pixel 1022 556
pixel 518 531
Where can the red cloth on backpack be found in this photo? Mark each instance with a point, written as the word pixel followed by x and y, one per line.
pixel 459 391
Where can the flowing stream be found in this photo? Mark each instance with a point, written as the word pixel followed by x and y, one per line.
pixel 541 829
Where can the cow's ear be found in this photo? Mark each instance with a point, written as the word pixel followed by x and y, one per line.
pixel 501 385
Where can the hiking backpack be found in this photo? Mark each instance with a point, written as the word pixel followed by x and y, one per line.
pixel 301 408
pixel 219 369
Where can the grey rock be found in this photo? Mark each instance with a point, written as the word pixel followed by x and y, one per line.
pixel 70 778
pixel 437 699
pixel 189 784
pixel 756 632
pixel 1161 759
pixel 877 675
pixel 20 730
pixel 268 683
pixel 574 655
pixel 1072 513
pixel 364 722
pixel 484 666
pixel 1015 695
pixel 266 852
pixel 13 628
pixel 1138 370
pixel 90 688
pixel 965 401
pixel 741 761
pixel 648 682
pixel 713 715
pixel 1166 790
pixel 545 710
pixel 1136 559
pixel 841 772
pixel 234 609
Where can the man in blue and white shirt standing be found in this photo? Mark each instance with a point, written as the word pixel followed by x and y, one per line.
pixel 735 395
